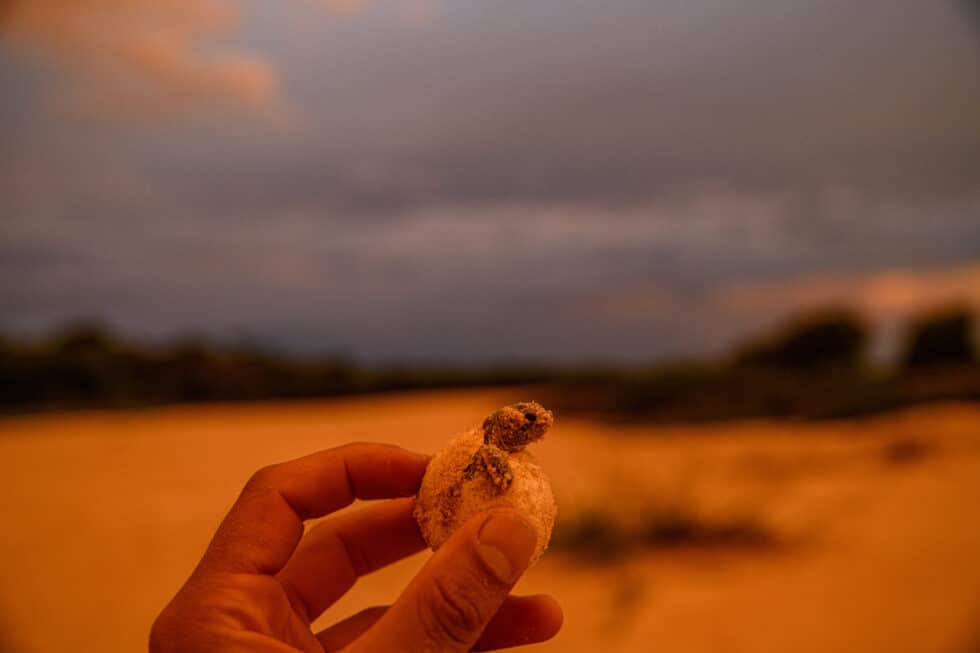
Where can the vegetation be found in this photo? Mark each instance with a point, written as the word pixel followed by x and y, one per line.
pixel 940 339
pixel 813 367
pixel 832 339
pixel 600 537
pixel 86 365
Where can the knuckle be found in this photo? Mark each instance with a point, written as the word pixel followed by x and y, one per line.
pixel 450 614
pixel 158 634
pixel 354 445
pixel 162 632
pixel 263 478
pixel 247 599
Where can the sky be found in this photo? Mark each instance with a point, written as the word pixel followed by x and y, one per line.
pixel 458 180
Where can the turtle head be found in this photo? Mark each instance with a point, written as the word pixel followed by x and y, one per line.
pixel 514 427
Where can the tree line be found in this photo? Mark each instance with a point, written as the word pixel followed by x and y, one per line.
pixel 815 365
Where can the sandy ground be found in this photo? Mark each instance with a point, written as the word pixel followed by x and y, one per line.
pixel 106 513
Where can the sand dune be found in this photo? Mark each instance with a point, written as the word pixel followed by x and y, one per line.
pixel 106 512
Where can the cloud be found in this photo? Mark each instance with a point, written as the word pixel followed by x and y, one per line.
pixel 886 295
pixel 650 179
pixel 411 14
pixel 889 298
pixel 344 6
pixel 682 277
pixel 554 101
pixel 141 56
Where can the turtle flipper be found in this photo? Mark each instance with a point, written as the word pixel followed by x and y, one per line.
pixel 491 462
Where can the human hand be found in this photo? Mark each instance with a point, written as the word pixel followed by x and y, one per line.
pixel 261 582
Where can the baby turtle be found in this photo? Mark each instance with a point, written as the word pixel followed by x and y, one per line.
pixel 485 467
pixel 507 431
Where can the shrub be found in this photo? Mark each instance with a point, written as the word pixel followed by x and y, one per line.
pixel 830 338
pixel 940 338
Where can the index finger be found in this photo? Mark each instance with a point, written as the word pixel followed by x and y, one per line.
pixel 265 524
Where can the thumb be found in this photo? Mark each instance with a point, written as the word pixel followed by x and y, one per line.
pixel 448 604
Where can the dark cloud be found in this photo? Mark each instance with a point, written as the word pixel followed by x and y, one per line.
pixel 537 179
pixel 462 282
pixel 972 9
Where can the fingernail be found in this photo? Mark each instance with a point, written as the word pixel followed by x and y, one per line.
pixel 505 543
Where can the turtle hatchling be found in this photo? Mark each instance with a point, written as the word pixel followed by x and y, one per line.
pixel 486 467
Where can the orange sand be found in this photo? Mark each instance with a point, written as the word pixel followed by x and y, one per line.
pixel 105 513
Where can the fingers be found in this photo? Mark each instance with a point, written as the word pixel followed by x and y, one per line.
pixel 263 527
pixel 344 632
pixel 332 555
pixel 520 620
pixel 449 603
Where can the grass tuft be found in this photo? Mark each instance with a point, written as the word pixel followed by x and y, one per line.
pixel 599 537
